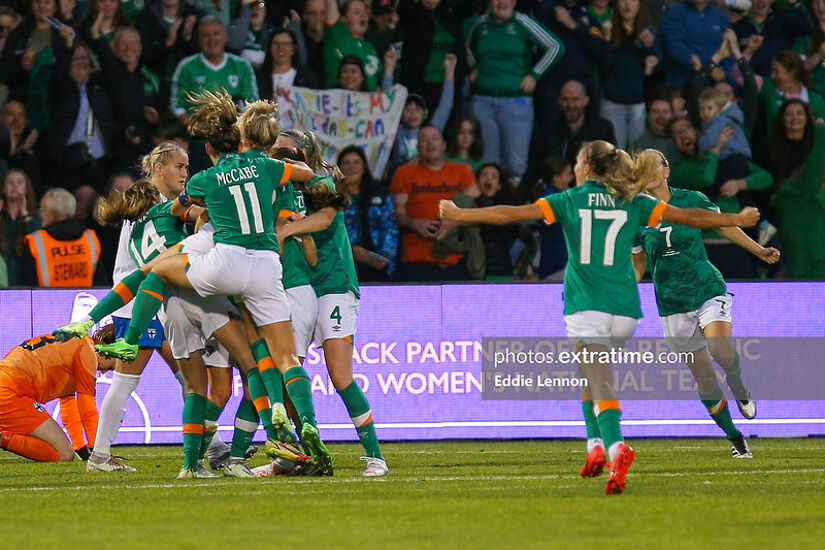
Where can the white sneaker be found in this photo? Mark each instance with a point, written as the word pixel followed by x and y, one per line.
pixel 109 464
pixel 376 467
pixel 747 407
pixel 237 468
pixel 205 472
pixel 187 473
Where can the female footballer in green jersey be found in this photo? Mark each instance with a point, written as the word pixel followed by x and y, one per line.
pixel 239 192
pixel 167 168
pixel 600 218
pixel 336 287
pixel 156 230
pixel 693 300
pixel 234 191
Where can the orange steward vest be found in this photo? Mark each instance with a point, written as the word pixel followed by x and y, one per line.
pixel 64 263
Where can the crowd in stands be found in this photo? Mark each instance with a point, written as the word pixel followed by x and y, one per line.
pixel 502 94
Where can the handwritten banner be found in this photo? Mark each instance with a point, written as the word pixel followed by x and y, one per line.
pixel 340 118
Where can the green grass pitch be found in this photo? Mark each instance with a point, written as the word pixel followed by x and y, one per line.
pixel 682 493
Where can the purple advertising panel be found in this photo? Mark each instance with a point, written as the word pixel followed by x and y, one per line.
pixel 418 356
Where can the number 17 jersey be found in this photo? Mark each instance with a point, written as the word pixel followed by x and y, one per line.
pixel 599 231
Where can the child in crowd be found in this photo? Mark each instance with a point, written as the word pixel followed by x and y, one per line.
pixel 717 114
pixel 720 115
pixel 415 114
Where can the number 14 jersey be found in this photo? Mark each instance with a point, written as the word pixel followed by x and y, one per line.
pixel 599 231
pixel 154 233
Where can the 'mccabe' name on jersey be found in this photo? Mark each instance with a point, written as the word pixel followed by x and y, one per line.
pixel 242 173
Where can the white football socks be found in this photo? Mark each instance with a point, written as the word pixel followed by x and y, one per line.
pixel 614 449
pixel 112 410
pixel 594 442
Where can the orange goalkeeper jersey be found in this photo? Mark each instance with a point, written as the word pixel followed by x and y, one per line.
pixel 43 368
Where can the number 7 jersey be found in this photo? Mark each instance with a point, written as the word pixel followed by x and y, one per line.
pixel 684 277
pixel 600 230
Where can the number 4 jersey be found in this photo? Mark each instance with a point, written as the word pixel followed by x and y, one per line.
pixel 154 233
pixel 600 231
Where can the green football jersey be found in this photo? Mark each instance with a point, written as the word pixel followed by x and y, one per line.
pixel 682 274
pixel 600 230
pixel 239 192
pixel 132 9
pixel 335 272
pixel 338 43
pixel 154 233
pixel 296 268
pixel 196 74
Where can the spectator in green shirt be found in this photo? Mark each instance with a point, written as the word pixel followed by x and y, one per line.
pixel 500 54
pixel 345 36
pixel 797 159
pixel 213 68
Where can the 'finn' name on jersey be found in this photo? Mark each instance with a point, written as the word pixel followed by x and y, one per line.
pixel 601 199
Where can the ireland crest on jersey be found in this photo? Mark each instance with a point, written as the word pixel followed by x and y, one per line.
pixel 234 80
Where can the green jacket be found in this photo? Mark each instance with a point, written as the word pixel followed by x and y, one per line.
pixel 801 202
pixel 4 274
pixel 503 53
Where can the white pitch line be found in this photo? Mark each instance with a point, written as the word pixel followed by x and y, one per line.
pixel 511 424
pixel 408 479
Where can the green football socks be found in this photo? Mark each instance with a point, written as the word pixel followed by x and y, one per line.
pixel 359 411
pixel 717 407
pixel 119 296
pixel 260 400
pixel 297 385
pixel 194 411
pixel 590 422
pixel 246 423
pixel 610 427
pixel 147 303
pixel 271 376
pixel 210 425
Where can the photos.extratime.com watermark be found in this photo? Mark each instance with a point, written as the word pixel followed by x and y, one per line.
pixel 614 356
pixel 654 368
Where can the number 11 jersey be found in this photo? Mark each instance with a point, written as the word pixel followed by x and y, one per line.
pixel 239 192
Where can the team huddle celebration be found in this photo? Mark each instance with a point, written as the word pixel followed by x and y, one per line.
pixel 296 233
pixel 270 269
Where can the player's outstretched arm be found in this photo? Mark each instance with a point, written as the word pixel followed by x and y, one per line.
pixel 740 238
pixel 313 223
pixel 697 217
pixel 497 215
